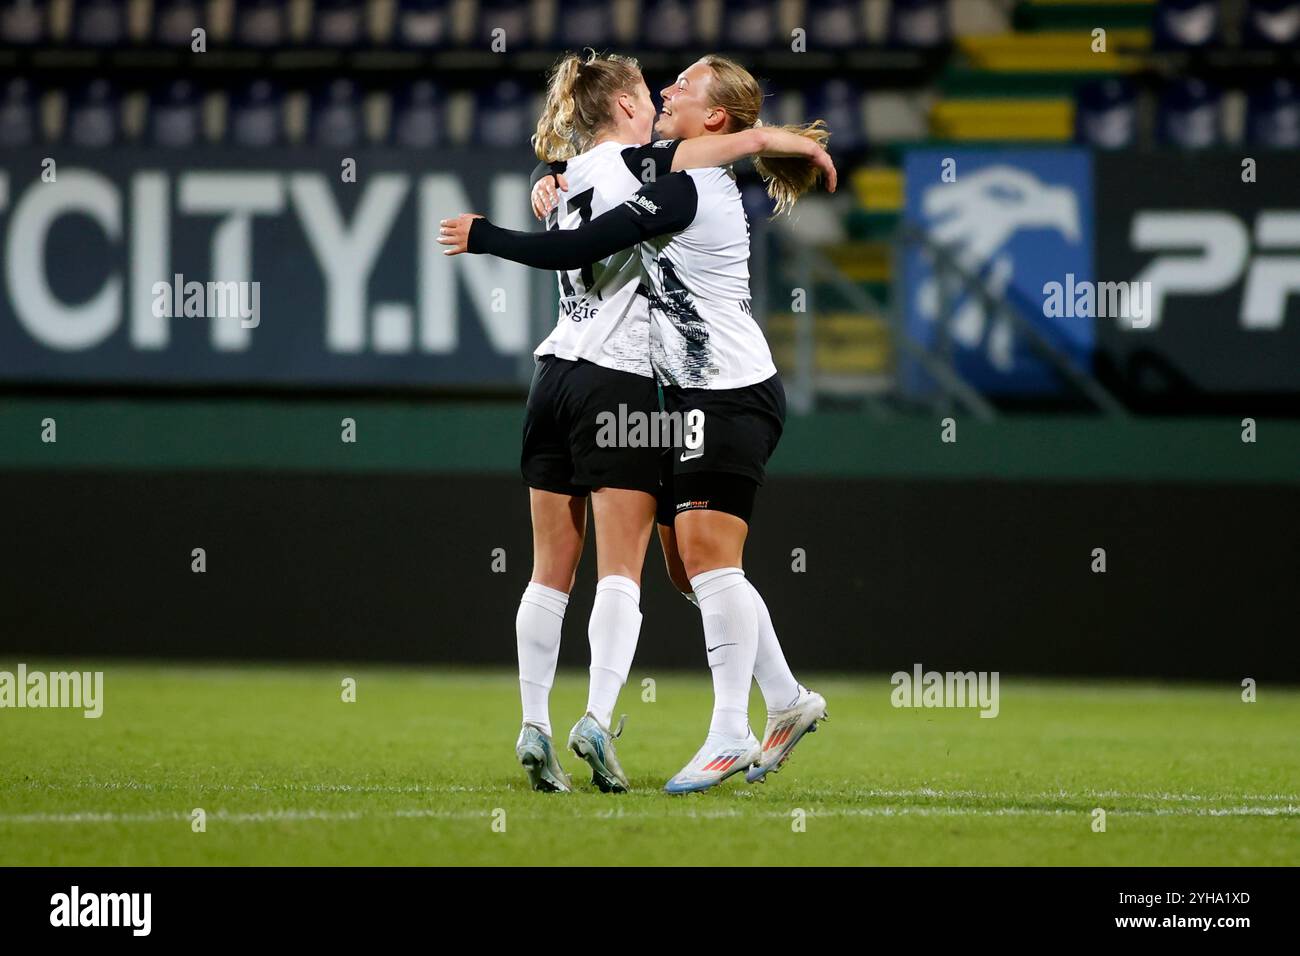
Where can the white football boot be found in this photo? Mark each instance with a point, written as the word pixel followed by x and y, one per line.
pixel 785 728
pixel 593 743
pixel 536 752
pixel 717 760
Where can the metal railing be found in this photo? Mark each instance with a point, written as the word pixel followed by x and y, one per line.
pixel 802 266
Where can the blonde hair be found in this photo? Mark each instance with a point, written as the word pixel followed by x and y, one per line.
pixel 578 97
pixel 735 90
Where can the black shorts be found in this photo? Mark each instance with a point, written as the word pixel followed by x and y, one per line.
pixel 561 452
pixel 741 429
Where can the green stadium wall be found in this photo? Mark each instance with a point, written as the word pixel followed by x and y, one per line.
pixel 976 554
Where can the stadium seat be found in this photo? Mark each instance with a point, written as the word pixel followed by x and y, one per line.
pixel 337 118
pixel 513 17
pixel 93 116
pixel 422 24
pixel 847 344
pixel 834 24
pixel 1004 119
pixel 1058 51
pixel 501 115
pixel 256 116
pixel 1272 23
pixel 918 23
pixel 23 22
pixel 748 24
pixel 1190 115
pixel 99 22
pixel 20 114
pixel 174 21
pixel 667 24
pixel 879 189
pixel 418 120
pixel 1105 115
pixel 176 116
pixel 839 103
pixel 1186 24
pixel 261 23
pixel 338 23
pixel 584 23
pixel 1273 115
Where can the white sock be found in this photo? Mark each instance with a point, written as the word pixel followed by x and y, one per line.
pixel 780 689
pixel 731 642
pixel 537 636
pixel 613 631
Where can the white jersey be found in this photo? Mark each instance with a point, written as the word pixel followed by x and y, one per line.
pixel 602 317
pixel 702 328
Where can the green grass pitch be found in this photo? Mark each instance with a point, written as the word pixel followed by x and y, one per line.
pixel 419 768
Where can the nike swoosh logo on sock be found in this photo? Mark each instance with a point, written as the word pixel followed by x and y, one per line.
pixel 710 650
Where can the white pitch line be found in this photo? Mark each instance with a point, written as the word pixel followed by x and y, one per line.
pixel 1163 797
pixel 804 793
pixel 303 816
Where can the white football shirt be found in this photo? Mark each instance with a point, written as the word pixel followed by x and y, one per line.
pixel 604 315
pixel 702 328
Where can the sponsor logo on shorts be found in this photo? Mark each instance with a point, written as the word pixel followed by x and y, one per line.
pixel 695 504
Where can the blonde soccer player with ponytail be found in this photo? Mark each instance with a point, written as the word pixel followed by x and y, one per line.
pixel 688 236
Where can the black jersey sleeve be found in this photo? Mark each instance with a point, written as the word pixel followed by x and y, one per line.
pixel 657 209
pixel 546 169
pixel 652 161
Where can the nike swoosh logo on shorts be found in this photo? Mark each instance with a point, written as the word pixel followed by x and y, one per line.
pixel 688 455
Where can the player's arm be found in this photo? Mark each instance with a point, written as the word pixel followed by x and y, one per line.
pixel 723 150
pixel 547 181
pixel 658 208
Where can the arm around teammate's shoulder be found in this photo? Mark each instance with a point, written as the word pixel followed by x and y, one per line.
pixel 771 141
pixel 658 208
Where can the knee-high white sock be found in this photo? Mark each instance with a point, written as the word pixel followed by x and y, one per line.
pixel 613 631
pixel 780 689
pixel 537 636
pixel 731 641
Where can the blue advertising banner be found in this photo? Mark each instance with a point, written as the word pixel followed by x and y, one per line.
pixel 1021 222
pixel 273 267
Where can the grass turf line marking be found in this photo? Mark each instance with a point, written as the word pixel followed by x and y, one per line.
pixel 803 793
pixel 306 816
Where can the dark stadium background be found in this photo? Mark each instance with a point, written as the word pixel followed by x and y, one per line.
pixel 976 553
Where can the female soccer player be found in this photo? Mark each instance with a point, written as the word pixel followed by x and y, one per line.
pixel 710 356
pixel 598 119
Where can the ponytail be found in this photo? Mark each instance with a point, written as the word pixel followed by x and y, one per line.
pixel 789 177
pixel 579 94
pixel 553 141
